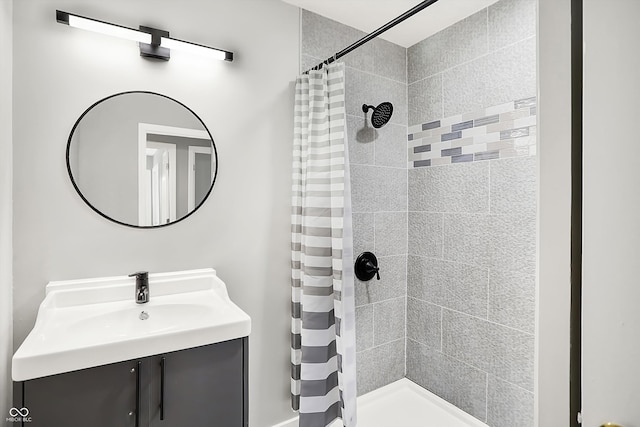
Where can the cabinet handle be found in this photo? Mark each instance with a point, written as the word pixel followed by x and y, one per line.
pixel 162 363
pixel 138 394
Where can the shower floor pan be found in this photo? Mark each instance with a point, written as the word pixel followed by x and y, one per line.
pixel 404 403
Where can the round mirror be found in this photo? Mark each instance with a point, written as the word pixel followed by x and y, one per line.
pixel 141 159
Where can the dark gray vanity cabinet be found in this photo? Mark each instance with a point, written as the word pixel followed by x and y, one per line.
pixel 198 387
pixel 200 397
pixel 101 397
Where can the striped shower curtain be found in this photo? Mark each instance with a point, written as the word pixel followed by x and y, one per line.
pixel 323 364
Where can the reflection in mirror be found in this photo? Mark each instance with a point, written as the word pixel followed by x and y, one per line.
pixel 141 159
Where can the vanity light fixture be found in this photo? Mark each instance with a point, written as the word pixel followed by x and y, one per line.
pixel 154 43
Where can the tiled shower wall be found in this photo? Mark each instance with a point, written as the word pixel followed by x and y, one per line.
pixel 376 72
pixel 455 237
pixel 472 213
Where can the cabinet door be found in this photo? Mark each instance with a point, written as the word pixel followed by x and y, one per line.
pixel 203 386
pixel 98 397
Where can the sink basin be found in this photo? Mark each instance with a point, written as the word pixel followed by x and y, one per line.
pixel 93 322
pixel 130 321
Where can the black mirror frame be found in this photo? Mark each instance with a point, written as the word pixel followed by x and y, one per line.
pixel 102 214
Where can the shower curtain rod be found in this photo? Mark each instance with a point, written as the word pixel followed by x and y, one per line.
pixel 408 14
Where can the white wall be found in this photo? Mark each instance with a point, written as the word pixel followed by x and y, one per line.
pixel 6 347
pixel 611 231
pixel 554 213
pixel 243 228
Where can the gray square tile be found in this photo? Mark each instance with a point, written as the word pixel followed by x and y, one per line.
pixel 456 44
pixel 512 299
pixel 424 323
pixel 390 233
pixel 365 88
pixel 363 232
pixel 512 243
pixel 425 100
pixel 424 58
pixel 508 405
pixel 503 242
pixel 376 188
pixel 494 79
pixel 364 327
pixel 391 146
pixel 361 137
pixel 416 278
pixel 389 59
pixel 465 40
pixel 389 320
pixel 514 185
pixel 323 37
pixel 460 287
pixel 511 21
pixel 466 238
pixel 496 349
pixel 459 383
pixel 425 234
pixel 452 188
pixel 380 366
pixel 392 283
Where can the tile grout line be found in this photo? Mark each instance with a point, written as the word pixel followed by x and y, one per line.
pixel 442 329
pixel 466 213
pixel 406 261
pixel 476 58
pixel 486 397
pixel 372 74
pixel 472 366
pixel 378 166
pixel 488 290
pixel 486 392
pixel 466 314
pixel 477 317
pixel 471 265
pixel 373 324
pixel 487 29
pixel 489 268
pixel 318 60
pixel 441 94
pixel 443 225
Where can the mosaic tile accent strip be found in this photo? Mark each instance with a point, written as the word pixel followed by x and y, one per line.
pixel 497 132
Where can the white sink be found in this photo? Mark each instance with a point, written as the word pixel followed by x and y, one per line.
pixel 93 322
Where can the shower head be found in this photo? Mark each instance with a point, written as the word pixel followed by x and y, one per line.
pixel 381 114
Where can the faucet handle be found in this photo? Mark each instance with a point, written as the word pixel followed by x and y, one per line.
pixel 141 275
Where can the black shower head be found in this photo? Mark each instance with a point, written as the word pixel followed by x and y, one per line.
pixel 381 114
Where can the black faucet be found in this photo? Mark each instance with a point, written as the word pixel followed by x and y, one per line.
pixel 142 286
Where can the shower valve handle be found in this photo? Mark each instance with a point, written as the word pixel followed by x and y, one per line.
pixel 370 268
